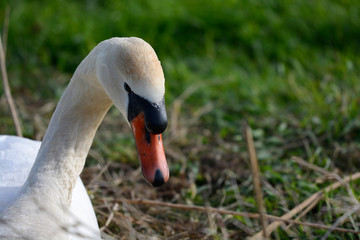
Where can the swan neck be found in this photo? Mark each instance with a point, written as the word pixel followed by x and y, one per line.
pixel 68 139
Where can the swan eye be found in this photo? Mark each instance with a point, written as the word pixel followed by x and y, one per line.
pixel 127 88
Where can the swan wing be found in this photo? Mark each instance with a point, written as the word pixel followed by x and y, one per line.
pixel 17 155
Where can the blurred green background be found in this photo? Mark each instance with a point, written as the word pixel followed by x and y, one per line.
pixel 289 68
pixel 253 58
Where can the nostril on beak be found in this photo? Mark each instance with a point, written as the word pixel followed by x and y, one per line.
pixel 159 179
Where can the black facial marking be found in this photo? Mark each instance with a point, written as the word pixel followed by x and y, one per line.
pixel 127 88
pixel 154 113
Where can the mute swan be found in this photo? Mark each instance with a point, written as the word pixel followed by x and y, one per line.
pixel 43 197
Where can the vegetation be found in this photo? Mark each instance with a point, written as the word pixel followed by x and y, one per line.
pixel 288 68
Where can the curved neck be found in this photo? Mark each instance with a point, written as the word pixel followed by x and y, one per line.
pixel 71 131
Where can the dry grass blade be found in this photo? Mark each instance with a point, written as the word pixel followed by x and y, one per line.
pixel 304 163
pixel 305 211
pixel 7 91
pixel 341 220
pixel 111 216
pixel 256 176
pixel 309 201
pixel 6 28
pixel 233 213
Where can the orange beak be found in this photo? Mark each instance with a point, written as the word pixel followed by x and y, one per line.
pixel 151 153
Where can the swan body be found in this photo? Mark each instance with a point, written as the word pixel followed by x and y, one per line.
pixel 13 175
pixel 41 194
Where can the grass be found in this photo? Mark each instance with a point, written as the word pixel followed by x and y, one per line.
pixel 289 68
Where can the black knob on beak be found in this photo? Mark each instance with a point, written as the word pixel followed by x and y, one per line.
pixel 156 118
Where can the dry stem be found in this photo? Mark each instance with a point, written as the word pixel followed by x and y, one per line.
pixel 7 91
pixel 256 176
pixel 6 28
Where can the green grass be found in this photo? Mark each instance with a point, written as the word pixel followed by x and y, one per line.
pixel 290 68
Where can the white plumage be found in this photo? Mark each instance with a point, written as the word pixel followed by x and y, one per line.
pixel 17 156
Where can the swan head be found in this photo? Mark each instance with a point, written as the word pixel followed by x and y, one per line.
pixel 131 75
